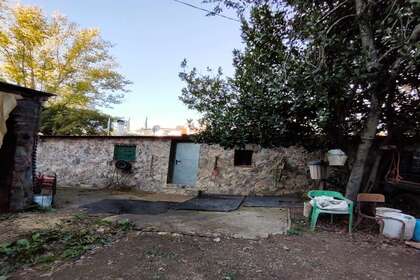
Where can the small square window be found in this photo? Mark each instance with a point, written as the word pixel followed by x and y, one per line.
pixel 125 152
pixel 243 158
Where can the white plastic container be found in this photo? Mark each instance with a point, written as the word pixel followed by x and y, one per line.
pixel 381 210
pixel 43 200
pixel 315 169
pixel 336 157
pixel 392 228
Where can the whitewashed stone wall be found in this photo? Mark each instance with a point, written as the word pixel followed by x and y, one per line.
pixel 88 161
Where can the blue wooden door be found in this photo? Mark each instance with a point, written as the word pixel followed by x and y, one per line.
pixel 186 164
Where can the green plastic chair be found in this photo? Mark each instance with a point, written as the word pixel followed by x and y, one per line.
pixel 316 211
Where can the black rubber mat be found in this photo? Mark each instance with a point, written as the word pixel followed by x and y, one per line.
pixel 208 202
pixel 205 202
pixel 125 206
pixel 272 202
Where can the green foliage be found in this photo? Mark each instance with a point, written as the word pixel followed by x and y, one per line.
pixel 294 232
pixel 303 74
pixel 58 119
pixel 24 251
pixel 125 225
pixel 55 55
pixel 68 241
pixel 80 216
pixel 231 275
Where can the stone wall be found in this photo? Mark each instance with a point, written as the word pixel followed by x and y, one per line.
pixel 24 122
pixel 16 181
pixel 273 171
pixel 88 161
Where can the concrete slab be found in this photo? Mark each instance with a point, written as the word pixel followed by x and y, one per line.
pixel 246 222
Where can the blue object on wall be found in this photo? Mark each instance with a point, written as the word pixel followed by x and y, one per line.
pixel 416 236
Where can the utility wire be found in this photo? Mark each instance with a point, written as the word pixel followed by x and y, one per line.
pixel 205 10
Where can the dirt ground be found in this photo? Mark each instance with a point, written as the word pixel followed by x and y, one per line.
pixel 247 222
pixel 329 253
pixel 68 202
pixel 323 255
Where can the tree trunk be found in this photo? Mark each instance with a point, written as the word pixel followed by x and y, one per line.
pixel 367 137
pixel 371 182
pixel 363 13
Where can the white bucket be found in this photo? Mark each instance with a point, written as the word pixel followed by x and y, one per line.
pixel 392 228
pixel 315 169
pixel 337 160
pixel 336 157
pixel 381 210
pixel 43 200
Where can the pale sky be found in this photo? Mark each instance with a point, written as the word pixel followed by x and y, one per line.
pixel 151 39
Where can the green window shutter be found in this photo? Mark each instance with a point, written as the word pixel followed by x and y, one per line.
pixel 125 152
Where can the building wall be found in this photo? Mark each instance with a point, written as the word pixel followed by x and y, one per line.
pixel 16 155
pixel 88 161
pixel 273 171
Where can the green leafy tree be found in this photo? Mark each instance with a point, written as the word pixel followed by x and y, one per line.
pixel 55 55
pixel 58 119
pixel 328 69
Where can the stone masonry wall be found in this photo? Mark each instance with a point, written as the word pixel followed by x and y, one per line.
pixel 16 181
pixel 273 171
pixel 88 161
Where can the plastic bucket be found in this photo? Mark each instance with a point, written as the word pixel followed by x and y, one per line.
pixel 43 200
pixel 315 169
pixel 392 228
pixel 381 210
pixel 336 157
pixel 416 236
pixel 337 160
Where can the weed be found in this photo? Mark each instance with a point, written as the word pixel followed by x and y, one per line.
pixel 103 222
pixel 70 240
pixel 229 276
pixel 158 252
pixel 294 231
pixel 7 216
pixel 298 228
pixel 125 225
pixel 80 216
